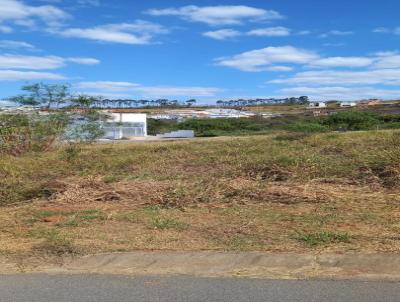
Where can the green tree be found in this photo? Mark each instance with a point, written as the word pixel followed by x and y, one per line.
pixel 190 102
pixel 39 132
pixel 43 95
pixel 304 100
pixel 83 101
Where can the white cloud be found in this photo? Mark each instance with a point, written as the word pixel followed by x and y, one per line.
pixel 222 34
pixel 227 33
pixel 160 91
pixel 343 62
pixel 30 62
pixel 278 31
pixel 83 61
pixel 118 88
pixel 265 59
pixel 14 75
pixel 261 59
pixel 26 15
pixel 107 95
pixel 89 2
pixel 339 44
pixel 108 85
pixel 218 15
pixel 10 44
pixel 341 33
pixel 388 59
pixel 279 68
pixel 381 30
pixel 336 33
pixel 342 93
pixel 386 30
pixel 335 77
pixel 39 63
pixel 304 32
pixel 5 29
pixel 139 32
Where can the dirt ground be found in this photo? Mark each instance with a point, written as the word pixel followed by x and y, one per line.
pixel 95 217
pixel 324 194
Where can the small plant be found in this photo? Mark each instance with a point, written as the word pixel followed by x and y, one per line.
pixel 132 217
pixel 110 179
pixel 160 223
pixel 307 127
pixel 71 152
pixel 291 136
pixel 323 238
pixel 151 211
pixel 240 243
pixel 91 214
pixel 54 243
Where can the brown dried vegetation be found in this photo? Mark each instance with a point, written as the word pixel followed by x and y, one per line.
pixel 253 193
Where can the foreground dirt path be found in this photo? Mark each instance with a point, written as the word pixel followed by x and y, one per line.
pixel 224 264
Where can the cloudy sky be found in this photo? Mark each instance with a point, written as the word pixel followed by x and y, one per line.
pixel 206 50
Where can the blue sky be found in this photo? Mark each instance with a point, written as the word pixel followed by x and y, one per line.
pixel 207 50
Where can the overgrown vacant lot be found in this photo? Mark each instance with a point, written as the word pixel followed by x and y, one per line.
pixel 282 192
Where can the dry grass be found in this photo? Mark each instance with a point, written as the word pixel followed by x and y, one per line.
pixel 327 192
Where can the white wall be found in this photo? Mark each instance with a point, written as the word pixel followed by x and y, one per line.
pixel 317 105
pixel 129 118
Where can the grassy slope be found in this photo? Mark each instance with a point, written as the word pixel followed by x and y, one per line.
pixel 280 192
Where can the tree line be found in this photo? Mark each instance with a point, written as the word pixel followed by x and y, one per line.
pixel 303 100
pixel 59 96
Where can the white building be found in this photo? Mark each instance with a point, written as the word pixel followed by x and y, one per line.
pixel 180 114
pixel 317 105
pixel 125 125
pixel 228 113
pixel 348 104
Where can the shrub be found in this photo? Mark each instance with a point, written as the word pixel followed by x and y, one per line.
pixel 220 126
pixel 24 133
pixel 88 131
pixel 391 125
pixel 307 127
pixel 323 238
pixel 391 118
pixel 353 120
pixel 159 126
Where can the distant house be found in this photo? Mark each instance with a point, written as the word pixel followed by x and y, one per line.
pixel 370 102
pixel 317 105
pixel 163 116
pixel 228 113
pixel 348 104
pixel 317 113
pixel 181 114
pixel 121 125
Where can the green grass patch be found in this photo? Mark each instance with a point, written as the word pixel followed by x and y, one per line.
pixel 91 214
pixel 324 238
pixel 161 223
